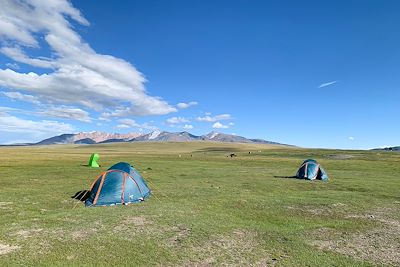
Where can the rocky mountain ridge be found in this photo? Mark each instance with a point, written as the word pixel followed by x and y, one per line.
pixel 155 136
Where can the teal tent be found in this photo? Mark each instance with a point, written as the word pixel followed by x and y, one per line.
pixel 93 160
pixel 120 184
pixel 311 170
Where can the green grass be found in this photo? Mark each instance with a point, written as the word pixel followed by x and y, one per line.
pixel 206 208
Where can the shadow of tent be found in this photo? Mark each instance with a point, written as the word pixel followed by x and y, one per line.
pixel 295 177
pixel 81 195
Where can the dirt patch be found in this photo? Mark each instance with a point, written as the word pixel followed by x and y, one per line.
pixel 238 248
pixel 340 156
pixel 136 225
pixel 320 210
pixel 138 220
pixel 5 249
pixel 5 205
pixel 339 204
pixel 83 234
pixel 380 245
pixel 180 233
pixel 71 257
pixel 28 233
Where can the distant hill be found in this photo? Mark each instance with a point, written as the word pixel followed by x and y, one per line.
pixel 60 139
pixel 87 138
pixel 392 148
pixel 155 136
pixel 158 136
pixel 86 141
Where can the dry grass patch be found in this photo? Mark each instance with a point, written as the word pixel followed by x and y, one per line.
pixel 180 233
pixel 28 233
pixel 380 245
pixel 5 249
pixel 137 225
pixel 320 210
pixel 83 234
pixel 138 220
pixel 5 205
pixel 238 248
pixel 340 156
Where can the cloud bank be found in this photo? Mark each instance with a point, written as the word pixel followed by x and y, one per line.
pixel 176 120
pixel 219 125
pixel 186 105
pixel 74 74
pixel 209 118
pixel 129 123
pixel 28 129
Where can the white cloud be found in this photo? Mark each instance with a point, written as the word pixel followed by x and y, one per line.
pixel 147 126
pixel 219 125
pixel 351 138
pixel 18 55
pixel 22 97
pixel 77 75
pixel 5 110
pixel 129 123
pixel 123 126
pixel 326 84
pixel 175 120
pixel 101 118
pixel 188 126
pixel 186 105
pixel 14 66
pixel 34 129
pixel 64 112
pixel 209 118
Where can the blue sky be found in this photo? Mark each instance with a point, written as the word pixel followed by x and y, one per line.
pixel 308 73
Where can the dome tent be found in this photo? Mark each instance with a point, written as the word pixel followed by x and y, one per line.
pixel 93 160
pixel 120 184
pixel 311 170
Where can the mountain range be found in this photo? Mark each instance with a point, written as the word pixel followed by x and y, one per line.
pixel 155 136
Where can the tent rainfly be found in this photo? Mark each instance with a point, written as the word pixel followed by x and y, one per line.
pixel 311 170
pixel 120 184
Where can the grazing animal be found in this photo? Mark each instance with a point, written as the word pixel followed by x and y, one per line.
pixel 233 155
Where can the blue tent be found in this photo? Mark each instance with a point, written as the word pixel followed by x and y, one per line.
pixel 120 184
pixel 311 170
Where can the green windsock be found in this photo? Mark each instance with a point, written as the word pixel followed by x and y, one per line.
pixel 93 160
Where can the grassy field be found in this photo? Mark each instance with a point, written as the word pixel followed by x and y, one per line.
pixel 206 210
